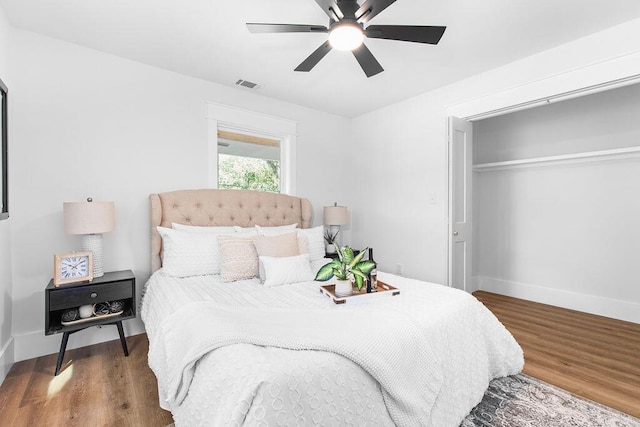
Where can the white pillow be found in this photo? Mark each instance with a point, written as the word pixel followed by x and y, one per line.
pixel 280 271
pixel 246 231
pixel 188 254
pixel 280 229
pixel 311 241
pixel 200 229
pixel 279 245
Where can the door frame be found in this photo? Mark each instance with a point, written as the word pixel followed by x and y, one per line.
pixel 573 84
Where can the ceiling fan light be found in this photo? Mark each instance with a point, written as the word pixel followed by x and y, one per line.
pixel 346 36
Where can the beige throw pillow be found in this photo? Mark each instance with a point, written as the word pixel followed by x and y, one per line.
pixel 280 245
pixel 277 246
pixel 238 258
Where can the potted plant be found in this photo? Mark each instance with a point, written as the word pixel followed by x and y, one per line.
pixel 347 269
pixel 330 239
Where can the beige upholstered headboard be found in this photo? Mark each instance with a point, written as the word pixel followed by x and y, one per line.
pixel 211 207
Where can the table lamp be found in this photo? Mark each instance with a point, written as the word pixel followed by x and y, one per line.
pixel 90 219
pixel 335 216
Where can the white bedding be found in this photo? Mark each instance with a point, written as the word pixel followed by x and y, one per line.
pixel 246 383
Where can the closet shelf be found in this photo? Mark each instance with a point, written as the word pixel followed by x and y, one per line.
pixel 590 156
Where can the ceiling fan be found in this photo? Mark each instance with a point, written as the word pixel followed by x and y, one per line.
pixel 347 31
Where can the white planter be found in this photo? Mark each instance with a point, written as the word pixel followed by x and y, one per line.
pixel 330 249
pixel 344 288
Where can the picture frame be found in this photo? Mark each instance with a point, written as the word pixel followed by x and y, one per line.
pixel 4 162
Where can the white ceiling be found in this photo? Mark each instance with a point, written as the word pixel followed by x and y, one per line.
pixel 208 39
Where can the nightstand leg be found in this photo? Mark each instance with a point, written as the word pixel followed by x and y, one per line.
pixel 123 340
pixel 63 348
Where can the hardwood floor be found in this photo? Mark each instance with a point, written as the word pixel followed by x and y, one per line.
pixel 591 356
pixel 97 386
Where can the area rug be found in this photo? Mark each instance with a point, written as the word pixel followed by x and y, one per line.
pixel 523 401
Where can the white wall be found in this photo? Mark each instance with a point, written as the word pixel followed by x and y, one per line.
pixel 6 287
pixel 562 233
pixel 87 123
pixel 400 159
pixel 401 150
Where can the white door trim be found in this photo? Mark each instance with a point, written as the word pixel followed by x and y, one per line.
pixel 460 228
pixel 589 79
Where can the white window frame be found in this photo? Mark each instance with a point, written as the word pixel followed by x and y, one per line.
pixel 224 117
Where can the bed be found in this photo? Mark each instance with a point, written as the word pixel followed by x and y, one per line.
pixel 259 352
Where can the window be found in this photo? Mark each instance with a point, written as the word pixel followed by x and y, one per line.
pixel 248 162
pixel 257 149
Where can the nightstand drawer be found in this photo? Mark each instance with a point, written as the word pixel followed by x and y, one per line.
pixel 74 297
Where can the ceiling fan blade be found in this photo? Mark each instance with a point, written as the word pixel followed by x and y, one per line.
pixel 331 8
pixel 367 61
pixel 286 28
pixel 315 57
pixel 407 33
pixel 371 8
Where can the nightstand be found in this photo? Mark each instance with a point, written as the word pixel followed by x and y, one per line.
pixel 115 285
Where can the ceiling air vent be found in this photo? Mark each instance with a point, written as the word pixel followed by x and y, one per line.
pixel 247 84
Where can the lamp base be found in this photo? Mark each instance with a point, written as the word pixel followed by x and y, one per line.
pixel 93 243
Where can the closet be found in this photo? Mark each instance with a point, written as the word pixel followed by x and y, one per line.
pixel 556 203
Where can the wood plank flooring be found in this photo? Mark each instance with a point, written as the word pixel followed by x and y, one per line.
pixel 97 386
pixel 591 356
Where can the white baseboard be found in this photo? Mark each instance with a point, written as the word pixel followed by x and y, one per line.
pixel 36 344
pixel 608 307
pixel 474 284
pixel 7 357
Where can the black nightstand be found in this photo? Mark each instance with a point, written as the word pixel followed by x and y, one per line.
pixel 115 285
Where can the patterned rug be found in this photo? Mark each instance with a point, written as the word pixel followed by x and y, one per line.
pixel 522 401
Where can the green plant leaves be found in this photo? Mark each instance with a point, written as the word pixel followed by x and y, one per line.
pixel 325 273
pixel 347 266
pixel 359 281
pixel 365 266
pixel 347 255
pixel 357 259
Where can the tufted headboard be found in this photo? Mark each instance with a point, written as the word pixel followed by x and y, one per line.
pixel 211 207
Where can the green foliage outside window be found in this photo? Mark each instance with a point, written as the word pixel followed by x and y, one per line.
pixel 247 173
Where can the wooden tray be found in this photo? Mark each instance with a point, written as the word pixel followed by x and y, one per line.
pixel 94 317
pixel 384 290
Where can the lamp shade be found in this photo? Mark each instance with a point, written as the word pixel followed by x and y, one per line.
pixel 336 215
pixel 89 217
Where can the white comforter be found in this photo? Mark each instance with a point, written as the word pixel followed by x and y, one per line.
pixel 269 385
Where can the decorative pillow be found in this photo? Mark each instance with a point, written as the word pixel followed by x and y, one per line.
pixel 281 245
pixel 311 241
pixel 283 270
pixel 238 258
pixel 199 229
pixel 188 254
pixel 276 230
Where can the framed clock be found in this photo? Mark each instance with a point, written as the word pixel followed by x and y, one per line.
pixel 72 267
